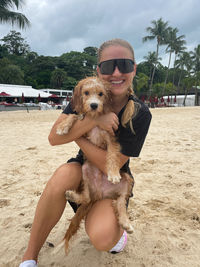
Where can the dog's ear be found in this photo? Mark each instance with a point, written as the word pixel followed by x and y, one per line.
pixel 108 98
pixel 77 98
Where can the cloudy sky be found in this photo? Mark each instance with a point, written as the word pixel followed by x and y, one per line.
pixel 60 26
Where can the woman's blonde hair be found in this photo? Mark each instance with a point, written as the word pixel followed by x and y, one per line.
pixel 132 106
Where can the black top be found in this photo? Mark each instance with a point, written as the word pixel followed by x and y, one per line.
pixel 131 143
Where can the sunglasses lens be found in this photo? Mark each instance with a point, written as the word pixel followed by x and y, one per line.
pixel 107 67
pixel 124 65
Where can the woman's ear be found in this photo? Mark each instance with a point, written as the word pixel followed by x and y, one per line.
pixel 135 68
pixel 98 71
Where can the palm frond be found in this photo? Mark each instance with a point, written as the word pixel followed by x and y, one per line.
pixel 13 18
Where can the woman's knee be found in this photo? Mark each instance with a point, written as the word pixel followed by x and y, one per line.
pixel 66 177
pixel 102 226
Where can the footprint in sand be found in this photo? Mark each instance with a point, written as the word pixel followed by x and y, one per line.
pixel 4 203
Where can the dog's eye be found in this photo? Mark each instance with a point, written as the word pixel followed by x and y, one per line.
pixel 86 93
pixel 100 94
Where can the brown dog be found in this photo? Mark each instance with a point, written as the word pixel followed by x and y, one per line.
pixel 91 98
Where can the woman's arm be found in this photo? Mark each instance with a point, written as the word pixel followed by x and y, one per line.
pixel 79 128
pixel 108 122
pixel 97 155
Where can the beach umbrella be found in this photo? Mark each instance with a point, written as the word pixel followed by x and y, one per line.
pixel 168 99
pixel 175 99
pixel 23 99
pixel 53 95
pixel 162 99
pixel 4 94
pixel 39 98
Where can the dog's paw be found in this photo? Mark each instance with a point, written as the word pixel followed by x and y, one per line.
pixel 62 130
pixel 69 195
pixel 114 178
pixel 128 227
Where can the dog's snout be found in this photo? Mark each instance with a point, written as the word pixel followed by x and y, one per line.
pixel 93 106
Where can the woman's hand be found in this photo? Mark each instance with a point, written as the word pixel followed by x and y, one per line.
pixel 108 122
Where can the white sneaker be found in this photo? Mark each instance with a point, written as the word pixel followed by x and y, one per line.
pixel 28 263
pixel 120 244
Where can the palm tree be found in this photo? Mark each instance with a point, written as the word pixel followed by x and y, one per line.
pixel 175 44
pixel 158 31
pixel 195 56
pixel 152 60
pixel 184 62
pixel 8 16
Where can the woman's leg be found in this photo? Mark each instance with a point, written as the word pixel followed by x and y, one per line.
pixel 51 206
pixel 102 225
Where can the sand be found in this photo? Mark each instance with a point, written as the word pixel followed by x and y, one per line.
pixel 165 210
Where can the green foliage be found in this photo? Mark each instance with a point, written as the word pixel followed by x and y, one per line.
pixel 141 84
pixel 58 76
pixel 15 44
pixel 11 74
pixel 11 17
pixel 20 65
pixel 69 83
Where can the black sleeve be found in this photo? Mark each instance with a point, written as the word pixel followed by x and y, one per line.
pixel 131 143
pixel 68 109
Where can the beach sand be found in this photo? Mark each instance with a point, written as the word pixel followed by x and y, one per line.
pixel 165 210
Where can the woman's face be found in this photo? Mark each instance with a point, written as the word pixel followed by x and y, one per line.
pixel 119 81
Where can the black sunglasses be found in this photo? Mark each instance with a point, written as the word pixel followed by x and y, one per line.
pixel 124 65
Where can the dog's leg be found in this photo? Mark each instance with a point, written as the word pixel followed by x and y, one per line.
pixel 66 124
pixel 79 198
pixel 120 208
pixel 113 153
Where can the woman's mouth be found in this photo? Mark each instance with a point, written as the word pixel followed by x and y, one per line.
pixel 117 82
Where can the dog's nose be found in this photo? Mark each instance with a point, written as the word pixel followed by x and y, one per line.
pixel 94 106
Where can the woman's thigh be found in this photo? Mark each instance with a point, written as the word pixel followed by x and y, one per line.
pixel 102 225
pixel 66 177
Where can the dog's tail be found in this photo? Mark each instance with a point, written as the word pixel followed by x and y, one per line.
pixel 75 222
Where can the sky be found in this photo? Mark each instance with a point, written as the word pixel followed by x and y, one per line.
pixel 62 26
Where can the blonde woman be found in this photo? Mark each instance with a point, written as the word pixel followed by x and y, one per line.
pixel 129 121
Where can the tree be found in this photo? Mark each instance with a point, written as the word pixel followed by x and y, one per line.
pixel 15 44
pixel 57 78
pixel 188 83
pixel 159 32
pixel 195 56
pixel 90 50
pixel 184 62
pixel 175 44
pixel 8 16
pixel 69 83
pixel 152 60
pixel 12 74
pixel 141 84
pixel 3 51
pixel 77 65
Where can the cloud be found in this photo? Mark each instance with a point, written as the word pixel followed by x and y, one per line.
pixel 61 26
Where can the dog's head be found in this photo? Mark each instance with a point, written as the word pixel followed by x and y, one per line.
pixel 91 96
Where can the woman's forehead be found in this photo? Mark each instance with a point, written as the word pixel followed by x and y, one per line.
pixel 115 51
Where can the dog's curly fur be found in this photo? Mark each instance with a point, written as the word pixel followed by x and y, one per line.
pixel 91 98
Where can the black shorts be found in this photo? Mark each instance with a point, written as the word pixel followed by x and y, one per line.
pixel 79 159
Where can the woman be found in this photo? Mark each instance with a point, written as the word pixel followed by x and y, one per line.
pixel 116 64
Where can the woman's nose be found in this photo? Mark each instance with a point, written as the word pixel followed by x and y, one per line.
pixel 116 72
